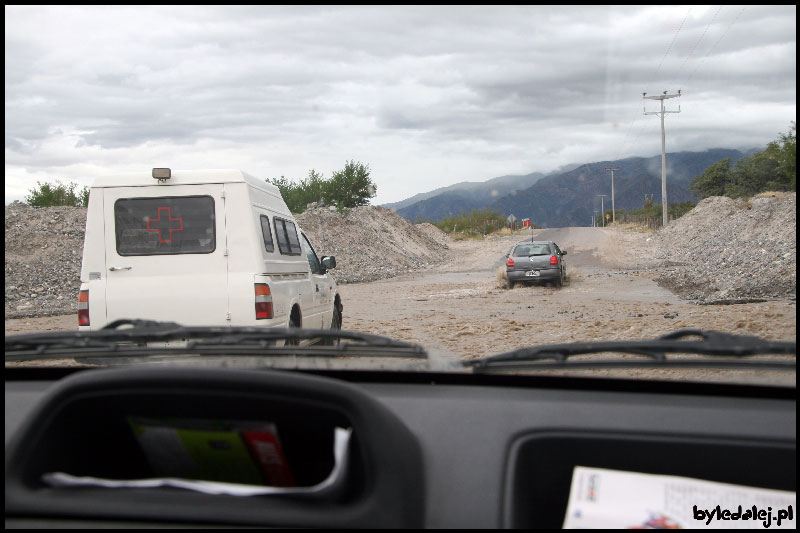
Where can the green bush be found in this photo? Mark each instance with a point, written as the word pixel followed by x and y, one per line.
pixel 52 194
pixel 475 222
pixel 654 210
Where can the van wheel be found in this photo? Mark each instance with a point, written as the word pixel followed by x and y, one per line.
pixel 336 325
pixel 292 324
pixel 336 322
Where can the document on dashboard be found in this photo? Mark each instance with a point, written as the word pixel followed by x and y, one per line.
pixel 602 498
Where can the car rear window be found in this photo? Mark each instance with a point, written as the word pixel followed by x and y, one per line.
pixel 165 225
pixel 523 250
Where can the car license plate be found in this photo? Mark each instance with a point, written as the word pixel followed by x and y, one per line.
pixel 532 273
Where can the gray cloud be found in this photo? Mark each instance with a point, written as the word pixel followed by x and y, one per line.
pixel 451 93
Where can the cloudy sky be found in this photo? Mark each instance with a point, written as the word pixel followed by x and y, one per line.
pixel 426 96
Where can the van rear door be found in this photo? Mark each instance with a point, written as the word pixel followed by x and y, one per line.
pixel 166 254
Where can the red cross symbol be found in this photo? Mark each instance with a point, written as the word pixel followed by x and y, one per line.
pixel 165 224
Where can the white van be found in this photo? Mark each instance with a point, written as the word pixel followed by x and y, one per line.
pixel 200 248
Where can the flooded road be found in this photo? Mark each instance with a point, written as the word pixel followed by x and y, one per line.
pixel 462 309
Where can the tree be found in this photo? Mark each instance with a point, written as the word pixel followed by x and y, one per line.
pixel 713 180
pixel 351 186
pixel 289 192
pixel 347 188
pixel 784 153
pixel 52 194
pixel 314 187
pixel 774 169
pixel 298 195
pixel 752 175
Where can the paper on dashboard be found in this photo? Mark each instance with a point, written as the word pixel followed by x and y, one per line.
pixel 603 498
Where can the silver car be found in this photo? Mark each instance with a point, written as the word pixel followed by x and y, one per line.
pixel 536 262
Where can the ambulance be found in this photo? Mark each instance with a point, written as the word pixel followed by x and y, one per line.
pixel 200 248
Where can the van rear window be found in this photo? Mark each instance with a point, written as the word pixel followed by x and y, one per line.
pixel 166 225
pixel 266 232
pixel 286 233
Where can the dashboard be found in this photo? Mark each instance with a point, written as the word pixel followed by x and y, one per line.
pixel 427 450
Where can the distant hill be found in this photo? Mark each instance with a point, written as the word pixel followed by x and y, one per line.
pixel 467 195
pixel 570 198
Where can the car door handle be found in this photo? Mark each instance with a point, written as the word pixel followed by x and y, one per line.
pixel 114 269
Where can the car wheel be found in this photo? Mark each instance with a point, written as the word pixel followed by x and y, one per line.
pixel 510 284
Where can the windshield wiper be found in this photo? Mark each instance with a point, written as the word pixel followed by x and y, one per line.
pixel 145 338
pixel 713 343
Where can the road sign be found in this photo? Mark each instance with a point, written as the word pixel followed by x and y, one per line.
pixel 511 219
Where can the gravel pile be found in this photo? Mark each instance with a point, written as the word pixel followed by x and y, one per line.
pixel 44 248
pixel 433 232
pixel 726 251
pixel 372 243
pixel 43 259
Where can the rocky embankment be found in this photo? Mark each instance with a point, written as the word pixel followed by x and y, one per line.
pixel 728 250
pixel 372 243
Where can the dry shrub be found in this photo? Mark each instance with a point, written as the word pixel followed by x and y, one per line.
pixel 772 194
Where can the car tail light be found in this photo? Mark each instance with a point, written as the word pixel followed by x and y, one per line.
pixel 510 263
pixel 263 301
pixel 83 308
pixel 553 260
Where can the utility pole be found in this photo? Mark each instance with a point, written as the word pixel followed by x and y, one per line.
pixel 613 212
pixel 602 208
pixel 663 146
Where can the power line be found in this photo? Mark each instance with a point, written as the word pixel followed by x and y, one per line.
pixel 637 116
pixel 700 39
pixel 674 38
pixel 714 46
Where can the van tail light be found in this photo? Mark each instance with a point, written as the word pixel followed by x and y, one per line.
pixel 263 301
pixel 510 263
pixel 83 308
pixel 553 260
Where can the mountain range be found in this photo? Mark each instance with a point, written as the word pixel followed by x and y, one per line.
pixel 569 196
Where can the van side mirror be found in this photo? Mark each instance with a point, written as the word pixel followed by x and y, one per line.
pixel 328 262
pixel 563 252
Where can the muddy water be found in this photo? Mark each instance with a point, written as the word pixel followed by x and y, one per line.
pixel 462 310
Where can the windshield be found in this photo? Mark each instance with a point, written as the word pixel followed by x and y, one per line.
pixel 471 180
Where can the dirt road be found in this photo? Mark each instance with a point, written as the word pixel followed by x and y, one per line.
pixel 461 309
